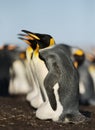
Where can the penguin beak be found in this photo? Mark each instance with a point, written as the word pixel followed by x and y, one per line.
pixel 29 37
pixel 75 64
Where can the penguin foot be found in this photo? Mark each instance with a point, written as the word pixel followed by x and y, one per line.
pixel 36 101
pixel 74 118
pixel 45 111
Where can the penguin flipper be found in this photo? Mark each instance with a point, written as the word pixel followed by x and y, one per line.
pixel 50 81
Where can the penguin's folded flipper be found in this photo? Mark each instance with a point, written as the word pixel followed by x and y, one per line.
pixel 51 80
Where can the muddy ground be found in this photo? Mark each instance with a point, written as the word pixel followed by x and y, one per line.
pixel 16 114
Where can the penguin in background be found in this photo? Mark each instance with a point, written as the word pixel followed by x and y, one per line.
pixel 91 67
pixel 19 83
pixel 10 57
pixel 86 86
pixel 58 80
pixel 7 56
pixel 76 54
pixel 92 73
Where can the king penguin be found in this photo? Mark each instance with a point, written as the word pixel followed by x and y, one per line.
pixel 76 54
pixel 87 95
pixel 44 41
pixel 58 81
pixel 86 89
pixel 91 68
pixel 19 81
pixel 9 55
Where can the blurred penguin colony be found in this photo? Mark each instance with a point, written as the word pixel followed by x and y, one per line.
pixel 55 77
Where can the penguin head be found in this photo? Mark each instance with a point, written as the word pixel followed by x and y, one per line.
pixel 8 47
pixel 79 57
pixel 44 40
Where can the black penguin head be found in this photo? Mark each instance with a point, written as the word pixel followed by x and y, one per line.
pixel 76 54
pixel 32 50
pixel 8 47
pixel 44 40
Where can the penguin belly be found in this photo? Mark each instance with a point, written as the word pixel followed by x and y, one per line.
pixel 41 72
pixel 92 73
pixel 62 77
pixel 18 81
pixel 86 86
pixel 45 110
pixel 34 96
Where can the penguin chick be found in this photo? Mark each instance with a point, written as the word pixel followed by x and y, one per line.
pixel 58 80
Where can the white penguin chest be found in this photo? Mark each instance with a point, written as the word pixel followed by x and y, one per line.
pixel 40 68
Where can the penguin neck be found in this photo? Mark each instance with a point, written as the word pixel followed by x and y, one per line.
pixel 52 42
pixel 36 52
pixel 29 53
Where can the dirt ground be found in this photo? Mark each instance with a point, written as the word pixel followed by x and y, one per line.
pixel 16 114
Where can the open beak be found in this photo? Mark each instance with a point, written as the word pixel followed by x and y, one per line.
pixel 32 35
pixel 29 37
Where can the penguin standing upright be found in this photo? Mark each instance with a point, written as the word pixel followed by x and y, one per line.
pixel 75 53
pixel 91 68
pixel 10 71
pixel 87 95
pixel 44 41
pixel 86 88
pixel 92 73
pixel 58 81
pixel 19 80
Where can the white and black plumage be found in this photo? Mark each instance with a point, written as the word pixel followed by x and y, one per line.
pixel 58 81
pixel 44 40
pixel 11 67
